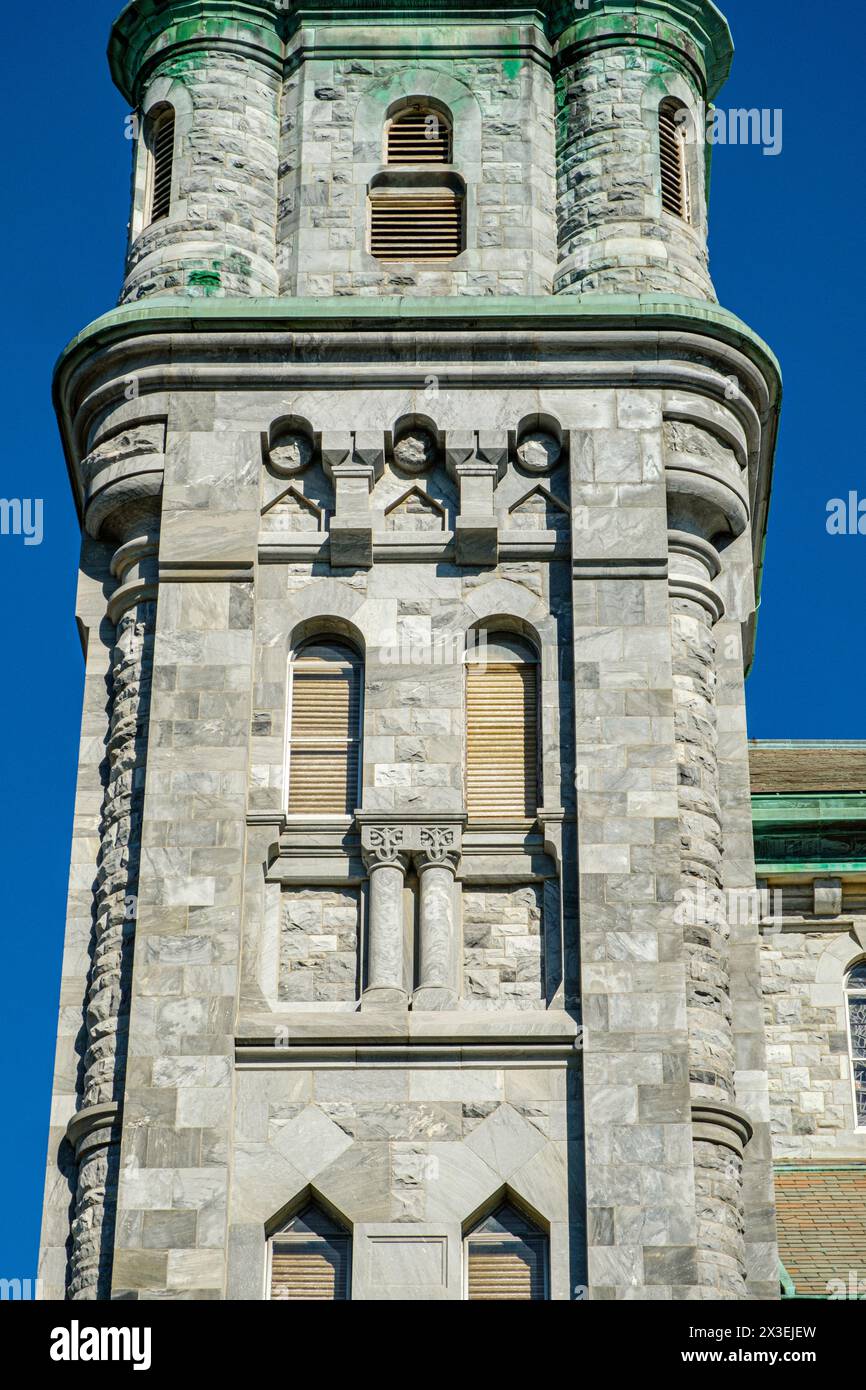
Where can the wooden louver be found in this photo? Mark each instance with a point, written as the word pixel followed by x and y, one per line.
pixel 162 154
pixel 423 226
pixel 311 1269
pixel 511 1269
pixel 325 735
pixel 501 740
pixel 419 137
pixel 673 163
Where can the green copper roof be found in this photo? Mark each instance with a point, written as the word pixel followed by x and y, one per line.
pixel 145 28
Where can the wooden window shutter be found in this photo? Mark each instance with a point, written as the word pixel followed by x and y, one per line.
pixel 419 137
pixel 672 154
pixel 501 740
pixel 325 745
pixel 423 225
pixel 311 1269
pixel 162 155
pixel 511 1270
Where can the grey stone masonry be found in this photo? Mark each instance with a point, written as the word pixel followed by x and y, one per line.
pixel 483 957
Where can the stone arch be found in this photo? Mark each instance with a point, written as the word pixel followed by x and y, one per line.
pixel 414 82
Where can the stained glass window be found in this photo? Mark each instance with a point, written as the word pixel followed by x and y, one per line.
pixel 857 1026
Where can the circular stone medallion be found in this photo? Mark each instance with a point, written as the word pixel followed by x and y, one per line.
pixel 538 452
pixel 415 450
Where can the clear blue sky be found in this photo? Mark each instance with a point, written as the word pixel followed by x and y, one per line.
pixel 786 256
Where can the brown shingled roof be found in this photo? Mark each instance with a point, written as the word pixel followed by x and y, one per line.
pixel 807 768
pixel 821 1213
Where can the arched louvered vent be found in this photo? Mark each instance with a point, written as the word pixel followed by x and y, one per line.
pixel 507 1259
pixel 325 743
pixel 422 225
pixel 672 153
pixel 161 147
pixel 502 731
pixel 311 1258
pixel 419 136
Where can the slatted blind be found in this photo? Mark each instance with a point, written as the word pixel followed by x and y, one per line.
pixel 311 1269
pixel 673 162
pixel 512 1269
pixel 325 736
pixel 419 137
pixel 162 154
pixel 501 740
pixel 422 226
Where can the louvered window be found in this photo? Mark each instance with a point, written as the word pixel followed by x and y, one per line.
pixel 419 136
pixel 857 1027
pixel 325 743
pixel 506 1259
pixel 672 153
pixel 502 732
pixel 161 147
pixel 416 225
pixel 311 1258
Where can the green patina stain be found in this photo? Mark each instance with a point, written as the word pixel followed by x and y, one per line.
pixel 208 281
pixel 511 67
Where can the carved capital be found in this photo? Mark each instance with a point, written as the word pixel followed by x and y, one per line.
pixel 439 847
pixel 384 844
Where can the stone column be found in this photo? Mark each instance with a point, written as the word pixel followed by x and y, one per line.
pixel 385 969
pixel 437 866
pixel 128 511
pixel 706 507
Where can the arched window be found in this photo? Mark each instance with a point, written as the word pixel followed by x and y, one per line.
pixel 502 781
pixel 311 1258
pixel 418 135
pixel 672 154
pixel 416 212
pixel 160 147
pixel 507 1259
pixel 856 992
pixel 324 756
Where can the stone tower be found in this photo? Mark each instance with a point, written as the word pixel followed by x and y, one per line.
pixel 423 486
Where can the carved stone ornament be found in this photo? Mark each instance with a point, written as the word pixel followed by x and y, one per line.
pixel 415 451
pixel 538 452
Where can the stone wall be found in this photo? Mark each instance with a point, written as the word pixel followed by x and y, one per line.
pixel 503 933
pixel 805 1011
pixel 319 938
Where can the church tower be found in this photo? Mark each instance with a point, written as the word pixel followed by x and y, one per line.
pixel 423 485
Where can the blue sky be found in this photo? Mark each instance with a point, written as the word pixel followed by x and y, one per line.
pixel 786 249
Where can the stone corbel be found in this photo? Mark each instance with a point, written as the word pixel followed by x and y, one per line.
pixel 353 462
pixel 476 461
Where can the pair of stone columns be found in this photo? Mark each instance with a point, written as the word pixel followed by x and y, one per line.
pixel 389 849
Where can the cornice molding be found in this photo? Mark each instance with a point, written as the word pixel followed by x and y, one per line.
pixel 668 343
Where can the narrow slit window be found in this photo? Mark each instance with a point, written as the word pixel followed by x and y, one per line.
pixel 507 1259
pixel 161 152
pixel 502 781
pixel 325 740
pixel 672 154
pixel 857 1029
pixel 311 1259
pixel 419 136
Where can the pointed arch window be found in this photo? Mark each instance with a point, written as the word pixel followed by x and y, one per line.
pixel 507 1259
pixel 856 997
pixel 160 147
pixel 324 753
pixel 310 1258
pixel 502 773
pixel 672 155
